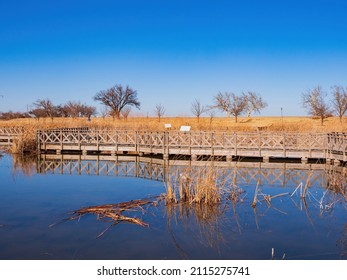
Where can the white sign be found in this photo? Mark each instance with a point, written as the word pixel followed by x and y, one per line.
pixel 185 128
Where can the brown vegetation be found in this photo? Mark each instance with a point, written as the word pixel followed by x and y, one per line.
pixel 27 142
pixel 292 124
pixel 201 186
pixel 113 213
pixel 195 187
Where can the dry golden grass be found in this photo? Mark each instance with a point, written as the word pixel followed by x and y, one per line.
pixel 287 124
pixel 201 186
pixel 297 124
pixel 193 187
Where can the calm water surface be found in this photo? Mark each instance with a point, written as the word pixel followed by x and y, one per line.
pixel 36 196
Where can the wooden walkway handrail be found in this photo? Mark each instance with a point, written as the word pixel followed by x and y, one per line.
pixel 8 134
pixel 193 143
pixel 11 131
pixel 249 140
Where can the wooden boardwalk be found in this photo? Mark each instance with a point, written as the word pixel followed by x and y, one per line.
pixel 336 147
pixel 8 134
pixel 196 145
pixel 263 145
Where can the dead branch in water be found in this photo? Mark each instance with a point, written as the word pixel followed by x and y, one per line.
pixel 268 198
pixel 254 203
pixel 307 185
pixel 113 213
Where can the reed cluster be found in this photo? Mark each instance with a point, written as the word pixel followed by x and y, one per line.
pixel 26 142
pixel 200 186
pixel 191 187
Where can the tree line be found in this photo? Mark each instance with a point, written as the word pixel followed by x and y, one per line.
pixel 44 108
pixel 118 101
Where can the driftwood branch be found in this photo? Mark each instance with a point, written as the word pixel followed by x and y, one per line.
pixel 113 213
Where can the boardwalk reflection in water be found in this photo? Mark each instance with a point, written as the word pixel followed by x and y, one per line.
pixel 301 228
pixel 247 173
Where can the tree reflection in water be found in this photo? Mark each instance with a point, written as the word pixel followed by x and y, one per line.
pixel 206 222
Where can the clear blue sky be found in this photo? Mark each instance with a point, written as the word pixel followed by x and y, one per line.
pixel 170 51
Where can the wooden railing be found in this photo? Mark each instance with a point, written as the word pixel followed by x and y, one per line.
pixel 248 140
pixel 195 143
pixel 8 134
pixel 11 131
pixel 254 144
pixel 337 146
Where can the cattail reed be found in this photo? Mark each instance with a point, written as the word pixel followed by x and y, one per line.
pixel 195 186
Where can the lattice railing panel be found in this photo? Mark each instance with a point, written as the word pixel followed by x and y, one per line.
pixel 150 139
pixel 179 139
pixel 248 141
pixel 11 131
pixel 52 137
pixel 271 141
pixel 337 142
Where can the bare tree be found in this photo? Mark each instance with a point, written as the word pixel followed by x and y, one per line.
pixel 198 109
pixel 46 106
pixel 59 111
pixel 339 101
pixel 125 112
pixel 314 101
pixel 230 103
pixel 116 98
pixel 255 103
pixel 73 108
pixel 87 111
pixel 159 111
pixel 38 113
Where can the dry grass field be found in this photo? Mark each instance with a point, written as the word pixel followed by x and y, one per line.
pixel 288 124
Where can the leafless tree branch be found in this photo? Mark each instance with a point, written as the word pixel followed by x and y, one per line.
pixel 116 98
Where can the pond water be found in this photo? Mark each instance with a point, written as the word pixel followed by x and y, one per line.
pixel 35 194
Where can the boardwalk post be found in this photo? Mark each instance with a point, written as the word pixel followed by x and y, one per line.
pixel 116 134
pixel 190 143
pixel 235 143
pixel 212 144
pixel 284 145
pixel 166 146
pixel 38 136
pixel 61 139
pixel 151 141
pixel 79 139
pixel 44 140
pixel 328 146
pixel 97 136
pixel 136 141
pixel 312 141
